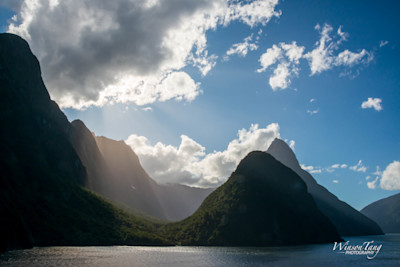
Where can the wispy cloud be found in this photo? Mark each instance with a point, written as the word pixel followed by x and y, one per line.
pixel 383 43
pixel 241 49
pixel 313 112
pixel 359 167
pixel 374 103
pixel 311 169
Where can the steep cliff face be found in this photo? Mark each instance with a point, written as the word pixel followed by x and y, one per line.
pixel 114 171
pixel 347 220
pixel 386 212
pixel 263 203
pixel 42 201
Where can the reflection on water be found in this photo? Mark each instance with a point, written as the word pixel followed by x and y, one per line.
pixel 310 255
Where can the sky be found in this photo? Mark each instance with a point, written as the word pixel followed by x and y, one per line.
pixel 193 86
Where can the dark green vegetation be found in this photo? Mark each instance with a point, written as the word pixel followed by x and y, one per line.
pixel 42 201
pixel 114 171
pixel 45 162
pixel 263 203
pixel 347 220
pixel 386 212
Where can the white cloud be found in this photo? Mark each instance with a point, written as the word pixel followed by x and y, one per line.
pixel 348 58
pixel 391 177
pixel 293 52
pixel 243 48
pixel 312 112
pixel 323 57
pixel 312 100
pixel 372 184
pixel 359 167
pixel 378 171
pixel 254 12
pixel 281 77
pixel 311 169
pixel 189 164
pixel 147 109
pixel 96 52
pixel 292 144
pixel 374 103
pixel 287 56
pixel 270 57
pixel 383 43
pixel 334 167
pixel 335 181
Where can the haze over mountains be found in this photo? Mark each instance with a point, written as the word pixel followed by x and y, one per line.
pixel 386 212
pixel 114 171
pixel 347 220
pixel 48 164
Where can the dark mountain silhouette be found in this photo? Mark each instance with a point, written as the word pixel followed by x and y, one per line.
pixel 42 201
pixel 263 203
pixel 386 212
pixel 115 172
pixel 347 220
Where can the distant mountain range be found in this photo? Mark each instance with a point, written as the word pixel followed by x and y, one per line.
pixel 263 203
pixel 386 212
pixel 57 178
pixel 114 171
pixel 347 220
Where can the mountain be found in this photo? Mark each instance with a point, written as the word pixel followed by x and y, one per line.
pixel 386 212
pixel 347 220
pixel 263 203
pixel 42 201
pixel 114 171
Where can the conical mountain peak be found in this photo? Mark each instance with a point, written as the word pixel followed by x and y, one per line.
pixel 281 151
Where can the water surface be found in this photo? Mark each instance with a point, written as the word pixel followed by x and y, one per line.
pixel 308 255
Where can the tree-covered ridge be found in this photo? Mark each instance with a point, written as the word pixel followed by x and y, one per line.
pixel 263 203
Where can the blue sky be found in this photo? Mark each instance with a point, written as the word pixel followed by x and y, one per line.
pixel 195 118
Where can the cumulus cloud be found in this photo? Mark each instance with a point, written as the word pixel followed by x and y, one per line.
pixel 324 56
pixel 288 56
pixel 374 103
pixel 189 164
pixel 93 52
pixel 359 167
pixel 269 57
pixel 243 48
pixel 391 177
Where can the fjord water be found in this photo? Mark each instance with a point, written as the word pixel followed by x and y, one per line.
pixel 309 255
